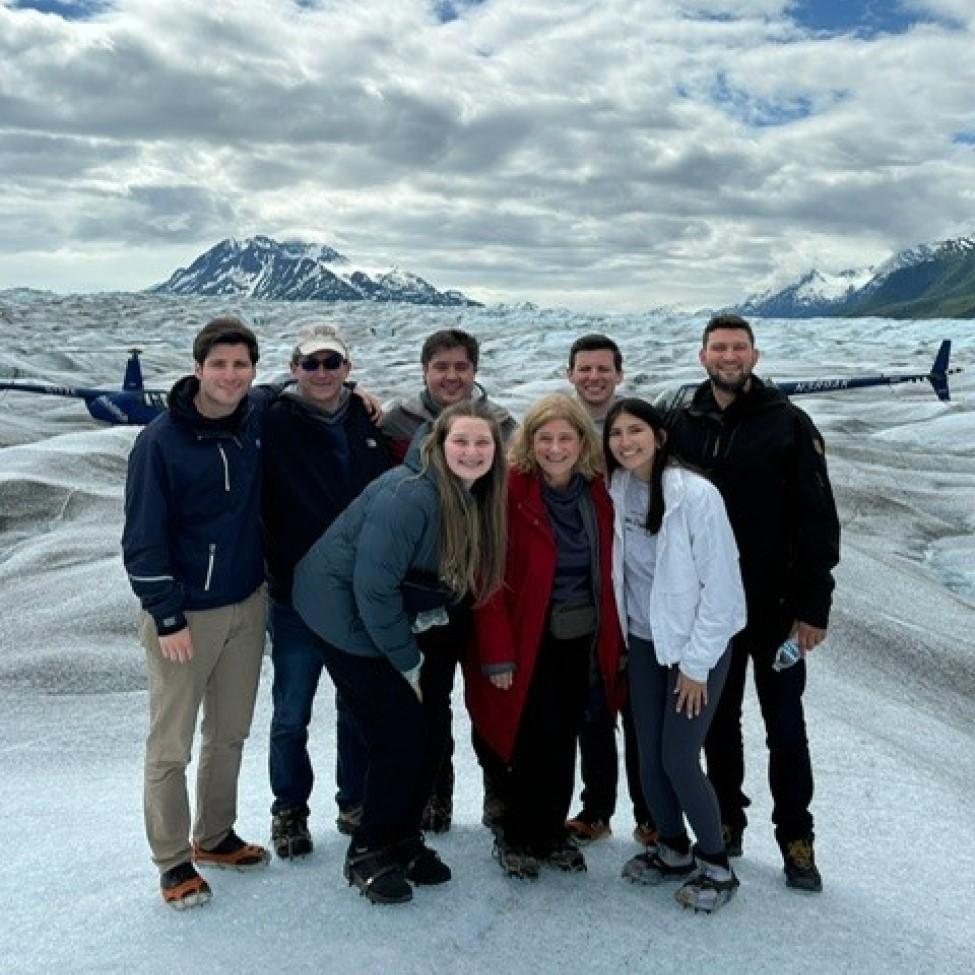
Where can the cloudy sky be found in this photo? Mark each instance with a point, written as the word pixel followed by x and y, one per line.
pixel 601 154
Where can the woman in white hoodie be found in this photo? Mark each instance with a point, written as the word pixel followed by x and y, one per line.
pixel 680 601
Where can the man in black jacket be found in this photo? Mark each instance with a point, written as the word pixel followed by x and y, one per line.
pixel 768 461
pixel 192 550
pixel 320 450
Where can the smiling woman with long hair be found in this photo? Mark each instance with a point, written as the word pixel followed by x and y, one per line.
pixel 680 600
pixel 421 540
pixel 547 636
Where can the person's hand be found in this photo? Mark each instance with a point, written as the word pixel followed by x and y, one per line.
pixel 373 406
pixel 177 647
pixel 503 681
pixel 806 636
pixel 692 696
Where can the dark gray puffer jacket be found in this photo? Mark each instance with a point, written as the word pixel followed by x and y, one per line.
pixel 352 587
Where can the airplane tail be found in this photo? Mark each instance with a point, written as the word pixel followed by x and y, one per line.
pixel 939 371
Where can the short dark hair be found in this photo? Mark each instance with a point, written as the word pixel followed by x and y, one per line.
pixel 450 338
pixel 225 330
pixel 734 322
pixel 594 342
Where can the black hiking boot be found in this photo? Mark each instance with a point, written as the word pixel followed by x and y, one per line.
pixel 516 860
pixel 799 864
pixel 422 865
pixel 289 834
pixel 379 877
pixel 348 819
pixel 439 810
pixel 564 854
pixel 183 887
pixel 733 837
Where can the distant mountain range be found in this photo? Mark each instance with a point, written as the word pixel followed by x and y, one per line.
pixel 926 281
pixel 260 267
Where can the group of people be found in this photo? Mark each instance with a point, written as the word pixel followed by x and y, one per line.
pixel 602 557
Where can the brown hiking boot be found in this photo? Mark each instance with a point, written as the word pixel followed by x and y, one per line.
pixel 584 827
pixel 799 864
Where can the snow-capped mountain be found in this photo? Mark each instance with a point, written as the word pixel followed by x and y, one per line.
pixel 816 293
pixel 924 281
pixel 260 267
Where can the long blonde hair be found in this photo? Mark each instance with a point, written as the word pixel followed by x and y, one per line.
pixel 473 536
pixel 557 406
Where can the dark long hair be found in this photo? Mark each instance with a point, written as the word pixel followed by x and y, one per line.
pixel 650 415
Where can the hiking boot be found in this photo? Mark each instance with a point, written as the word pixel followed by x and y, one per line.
pixel 564 855
pixel 348 820
pixel 232 853
pixel 709 888
pixel 658 864
pixel 646 834
pixel 437 815
pixel 733 837
pixel 183 887
pixel 379 877
pixel 494 807
pixel 586 827
pixel 422 865
pixel 800 865
pixel 516 860
pixel 289 834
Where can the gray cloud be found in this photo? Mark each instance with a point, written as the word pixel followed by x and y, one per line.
pixel 517 149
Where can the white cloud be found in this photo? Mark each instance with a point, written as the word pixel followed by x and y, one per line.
pixel 613 154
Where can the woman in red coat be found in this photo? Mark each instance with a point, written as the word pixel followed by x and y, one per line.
pixel 547 636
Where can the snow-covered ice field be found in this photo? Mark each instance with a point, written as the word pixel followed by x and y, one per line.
pixel 890 701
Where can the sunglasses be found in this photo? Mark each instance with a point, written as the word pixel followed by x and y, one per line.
pixel 331 361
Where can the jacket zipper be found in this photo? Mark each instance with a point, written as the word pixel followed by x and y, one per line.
pixel 226 468
pixel 210 561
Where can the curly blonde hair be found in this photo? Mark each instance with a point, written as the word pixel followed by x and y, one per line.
pixel 557 406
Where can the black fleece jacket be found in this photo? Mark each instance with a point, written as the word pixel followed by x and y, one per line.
pixel 768 460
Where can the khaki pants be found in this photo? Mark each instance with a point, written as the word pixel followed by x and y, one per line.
pixel 222 675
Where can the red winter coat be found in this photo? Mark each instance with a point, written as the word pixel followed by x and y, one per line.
pixel 510 627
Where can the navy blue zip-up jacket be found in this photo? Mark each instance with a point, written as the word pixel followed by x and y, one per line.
pixel 306 483
pixel 192 537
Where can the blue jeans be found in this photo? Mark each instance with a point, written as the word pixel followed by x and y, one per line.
pixel 296 653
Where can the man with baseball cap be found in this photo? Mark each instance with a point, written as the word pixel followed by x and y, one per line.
pixel 321 448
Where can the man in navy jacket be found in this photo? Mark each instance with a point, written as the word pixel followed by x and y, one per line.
pixel 193 553
pixel 321 448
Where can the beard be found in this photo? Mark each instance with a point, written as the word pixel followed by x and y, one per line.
pixel 731 386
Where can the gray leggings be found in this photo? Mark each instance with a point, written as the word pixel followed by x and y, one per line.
pixel 670 747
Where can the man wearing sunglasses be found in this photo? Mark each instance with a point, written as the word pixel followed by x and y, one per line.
pixel 321 448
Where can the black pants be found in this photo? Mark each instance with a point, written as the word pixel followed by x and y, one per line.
pixel 542 773
pixel 780 699
pixel 404 743
pixel 442 648
pixel 600 762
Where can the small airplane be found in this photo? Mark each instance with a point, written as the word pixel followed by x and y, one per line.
pixel 938 377
pixel 133 404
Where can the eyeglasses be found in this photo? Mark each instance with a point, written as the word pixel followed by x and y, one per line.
pixel 333 360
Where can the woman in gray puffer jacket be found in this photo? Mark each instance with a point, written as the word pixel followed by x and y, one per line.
pixel 416 542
